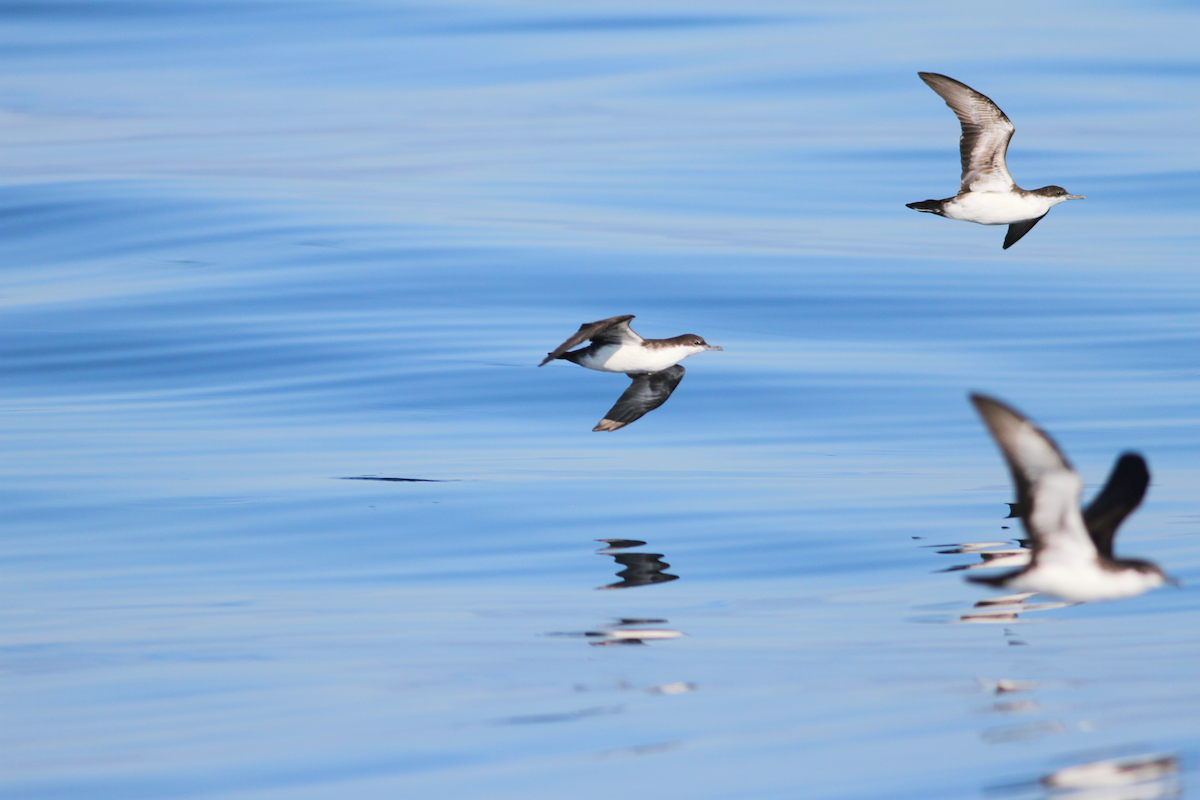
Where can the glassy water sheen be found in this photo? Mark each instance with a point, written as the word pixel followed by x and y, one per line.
pixel 253 249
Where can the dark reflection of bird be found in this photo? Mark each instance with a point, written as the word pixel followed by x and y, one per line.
pixel 641 569
pixel 1072 550
pixel 988 195
pixel 653 364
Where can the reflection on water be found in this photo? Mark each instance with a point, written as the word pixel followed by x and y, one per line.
pixel 1007 608
pixel 1008 734
pixel 632 631
pixel 1017 707
pixel 1147 776
pixel 1144 777
pixel 678 687
pixel 395 480
pixel 626 632
pixel 1004 608
pixel 640 569
pixel 1005 686
pixel 566 716
pixel 995 558
pixel 642 750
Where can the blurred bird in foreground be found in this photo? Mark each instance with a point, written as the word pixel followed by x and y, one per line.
pixel 1072 548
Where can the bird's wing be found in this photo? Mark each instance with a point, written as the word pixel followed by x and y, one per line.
pixel 985 134
pixel 613 330
pixel 1048 488
pixel 1120 496
pixel 1019 229
pixel 648 391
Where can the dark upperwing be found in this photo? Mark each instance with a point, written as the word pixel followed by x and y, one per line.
pixel 1123 493
pixel 648 391
pixel 1019 229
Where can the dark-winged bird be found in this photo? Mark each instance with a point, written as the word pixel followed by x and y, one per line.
pixel 988 195
pixel 653 364
pixel 1072 549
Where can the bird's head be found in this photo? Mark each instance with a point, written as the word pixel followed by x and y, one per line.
pixel 692 340
pixel 1057 194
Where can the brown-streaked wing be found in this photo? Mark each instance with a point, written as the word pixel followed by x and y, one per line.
pixel 986 131
pixel 1047 486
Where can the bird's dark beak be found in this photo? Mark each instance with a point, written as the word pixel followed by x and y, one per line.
pixel 712 347
pixel 1076 197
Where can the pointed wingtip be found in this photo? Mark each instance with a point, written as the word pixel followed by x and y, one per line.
pixel 608 425
pixel 997 414
pixel 982 401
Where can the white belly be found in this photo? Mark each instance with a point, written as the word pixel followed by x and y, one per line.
pixel 635 358
pixel 1083 584
pixel 996 208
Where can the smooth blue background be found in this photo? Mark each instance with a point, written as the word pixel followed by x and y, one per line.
pixel 252 248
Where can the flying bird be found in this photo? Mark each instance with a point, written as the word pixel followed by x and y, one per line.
pixel 1072 549
pixel 653 364
pixel 988 195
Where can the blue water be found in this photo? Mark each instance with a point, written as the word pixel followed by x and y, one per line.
pixel 253 249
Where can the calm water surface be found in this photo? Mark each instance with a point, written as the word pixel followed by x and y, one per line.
pixel 252 249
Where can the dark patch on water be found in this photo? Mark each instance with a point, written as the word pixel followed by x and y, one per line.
pixel 395 480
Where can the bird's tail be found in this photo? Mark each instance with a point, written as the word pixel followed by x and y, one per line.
pixel 928 206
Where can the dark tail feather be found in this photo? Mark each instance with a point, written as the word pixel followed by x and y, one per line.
pixel 574 355
pixel 928 206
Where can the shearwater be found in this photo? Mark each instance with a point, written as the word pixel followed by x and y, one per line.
pixel 1072 549
pixel 988 195
pixel 653 364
